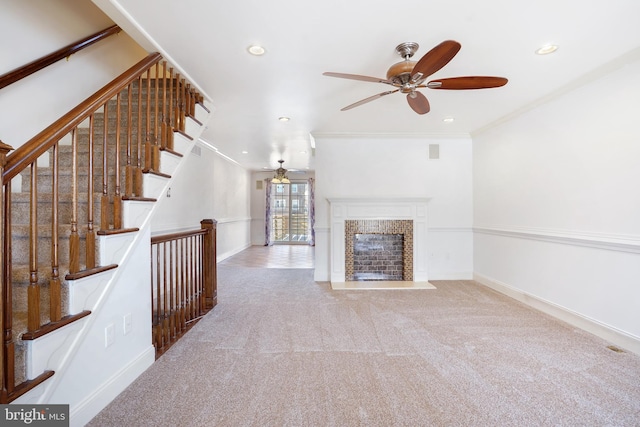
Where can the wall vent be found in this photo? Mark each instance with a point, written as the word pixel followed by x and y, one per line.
pixel 258 185
pixel 434 151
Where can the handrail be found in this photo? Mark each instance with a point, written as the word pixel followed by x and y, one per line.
pixel 37 65
pixel 176 236
pixel 26 154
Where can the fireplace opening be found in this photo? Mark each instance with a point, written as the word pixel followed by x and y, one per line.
pixel 378 257
pixel 378 228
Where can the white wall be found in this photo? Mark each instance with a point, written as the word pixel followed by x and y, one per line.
pixel 34 28
pixel 208 186
pixel 556 206
pixel 371 167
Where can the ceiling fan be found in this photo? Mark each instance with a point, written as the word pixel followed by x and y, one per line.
pixel 408 76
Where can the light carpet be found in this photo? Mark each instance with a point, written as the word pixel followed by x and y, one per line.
pixel 283 350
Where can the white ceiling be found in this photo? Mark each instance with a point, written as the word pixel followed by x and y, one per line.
pixel 209 39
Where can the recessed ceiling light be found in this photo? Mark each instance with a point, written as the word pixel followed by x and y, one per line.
pixel 547 49
pixel 448 119
pixel 284 119
pixel 256 50
pixel 245 152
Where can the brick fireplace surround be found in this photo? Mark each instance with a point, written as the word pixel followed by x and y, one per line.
pixel 386 227
pixel 394 212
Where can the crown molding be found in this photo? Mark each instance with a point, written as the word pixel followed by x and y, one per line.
pixel 391 135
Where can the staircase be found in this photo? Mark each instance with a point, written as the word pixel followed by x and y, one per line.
pixel 75 238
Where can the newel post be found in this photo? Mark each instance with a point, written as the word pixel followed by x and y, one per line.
pixel 210 263
pixel 4 281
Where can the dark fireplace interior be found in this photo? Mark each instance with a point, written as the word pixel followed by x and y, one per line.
pixel 378 257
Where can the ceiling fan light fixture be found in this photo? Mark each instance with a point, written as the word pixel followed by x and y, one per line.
pixel 546 49
pixel 408 76
pixel 281 175
pixel 256 50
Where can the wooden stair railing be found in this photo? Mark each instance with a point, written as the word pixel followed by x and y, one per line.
pixel 26 70
pixel 183 282
pixel 65 186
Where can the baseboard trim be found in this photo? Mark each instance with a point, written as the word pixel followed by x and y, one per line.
pixel 453 275
pixel 601 330
pixel 230 253
pixel 110 389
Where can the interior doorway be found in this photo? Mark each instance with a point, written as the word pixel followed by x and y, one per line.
pixel 290 223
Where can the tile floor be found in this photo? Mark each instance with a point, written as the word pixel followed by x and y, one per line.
pixel 276 256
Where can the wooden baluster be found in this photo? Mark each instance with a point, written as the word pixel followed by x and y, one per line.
pixel 209 260
pixel 194 280
pixel 147 146
pixel 185 284
pixel 170 119
pixel 192 102
pixel 128 172
pixel 201 294
pixel 104 201
pixel 74 238
pixel 6 309
pixel 33 290
pixel 55 302
pixel 176 109
pixel 156 122
pixel 183 287
pixel 189 283
pixel 192 294
pixel 181 105
pixel 165 299
pixel 201 261
pixel 172 293
pixel 163 130
pixel 138 183
pixel 158 312
pixel 90 239
pixel 187 110
pixel 117 196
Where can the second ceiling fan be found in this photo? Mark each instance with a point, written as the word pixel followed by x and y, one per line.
pixel 408 76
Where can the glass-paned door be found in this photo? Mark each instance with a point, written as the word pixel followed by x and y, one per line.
pixel 290 213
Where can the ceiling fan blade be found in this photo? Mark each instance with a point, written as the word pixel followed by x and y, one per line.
pixel 436 58
pixel 369 99
pixel 358 77
pixel 469 82
pixel 418 102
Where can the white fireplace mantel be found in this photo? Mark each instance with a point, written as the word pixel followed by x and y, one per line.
pixel 343 209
